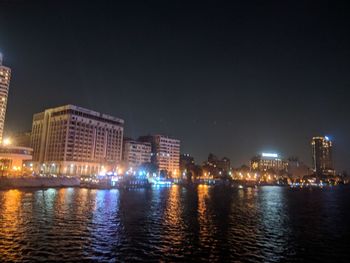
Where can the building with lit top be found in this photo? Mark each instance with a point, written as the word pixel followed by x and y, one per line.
pixel 322 161
pixel 136 153
pixel 76 141
pixel 5 77
pixel 165 153
pixel 267 161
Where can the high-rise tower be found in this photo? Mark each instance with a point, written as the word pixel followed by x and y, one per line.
pixel 5 76
pixel 322 161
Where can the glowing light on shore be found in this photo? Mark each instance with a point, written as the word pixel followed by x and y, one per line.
pixel 7 141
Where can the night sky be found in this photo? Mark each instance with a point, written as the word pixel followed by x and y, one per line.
pixel 233 79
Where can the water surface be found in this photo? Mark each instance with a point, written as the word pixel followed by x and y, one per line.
pixel 266 224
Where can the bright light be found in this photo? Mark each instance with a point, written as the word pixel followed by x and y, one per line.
pixel 327 138
pixel 7 141
pixel 103 171
pixel 274 155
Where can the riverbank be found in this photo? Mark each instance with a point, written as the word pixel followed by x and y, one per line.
pixel 65 181
pixel 38 182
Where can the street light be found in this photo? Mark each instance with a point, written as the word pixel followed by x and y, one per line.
pixel 7 142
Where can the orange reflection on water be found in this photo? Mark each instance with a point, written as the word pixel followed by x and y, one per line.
pixel 202 197
pixel 10 219
pixel 11 204
pixel 204 221
pixel 173 221
pixel 172 213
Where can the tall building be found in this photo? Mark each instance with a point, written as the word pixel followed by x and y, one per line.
pixel 5 77
pixel 136 153
pixel 268 161
pixel 73 140
pixel 165 153
pixel 322 161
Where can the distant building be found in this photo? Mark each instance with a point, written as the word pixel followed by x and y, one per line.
pixel 297 169
pixel 186 161
pixel 267 161
pixel 165 153
pixel 216 167
pixel 21 139
pixel 73 140
pixel 5 77
pixel 322 161
pixel 223 164
pixel 136 153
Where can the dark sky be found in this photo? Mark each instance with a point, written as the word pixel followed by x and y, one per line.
pixel 233 79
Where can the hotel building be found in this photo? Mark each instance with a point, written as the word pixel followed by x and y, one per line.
pixel 5 76
pixel 165 153
pixel 76 141
pixel 136 153
pixel 322 156
pixel 268 161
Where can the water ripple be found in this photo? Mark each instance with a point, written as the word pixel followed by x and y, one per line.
pixel 213 224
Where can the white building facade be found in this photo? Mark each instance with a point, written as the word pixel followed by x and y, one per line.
pixel 165 153
pixel 136 153
pixel 5 77
pixel 75 141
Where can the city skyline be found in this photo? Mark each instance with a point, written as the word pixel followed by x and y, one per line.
pixel 274 155
pixel 255 103
pixel 170 131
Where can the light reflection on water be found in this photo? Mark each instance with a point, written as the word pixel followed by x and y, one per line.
pixel 273 224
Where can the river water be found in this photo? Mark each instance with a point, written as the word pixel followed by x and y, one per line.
pixel 216 224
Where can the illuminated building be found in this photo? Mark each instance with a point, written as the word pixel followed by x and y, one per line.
pixel 13 160
pixel 165 153
pixel 73 140
pixel 136 153
pixel 322 156
pixel 5 77
pixel 267 161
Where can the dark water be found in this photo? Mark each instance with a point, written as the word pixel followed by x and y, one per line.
pixel 266 224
